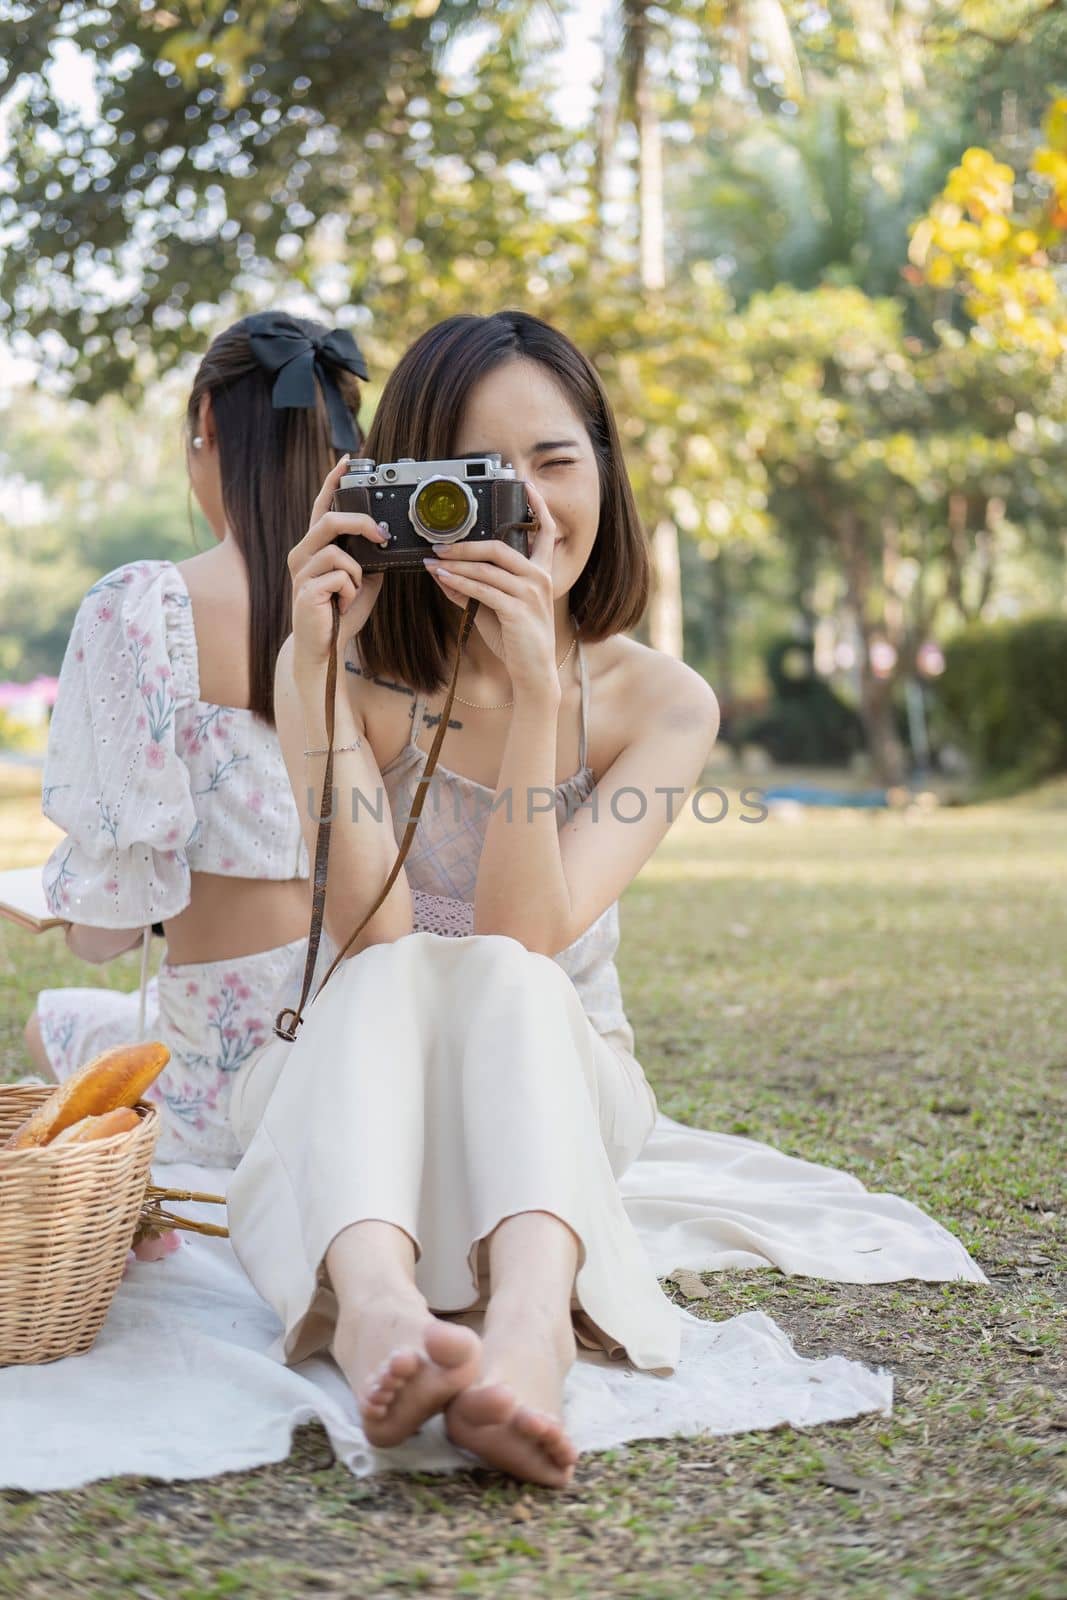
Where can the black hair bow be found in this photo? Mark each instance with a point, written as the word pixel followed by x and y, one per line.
pixel 281 346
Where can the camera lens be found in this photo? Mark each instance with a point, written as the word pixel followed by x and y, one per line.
pixel 441 507
pixel 442 510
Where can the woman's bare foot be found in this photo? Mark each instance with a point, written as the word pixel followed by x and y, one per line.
pixel 403 1365
pixel 512 1416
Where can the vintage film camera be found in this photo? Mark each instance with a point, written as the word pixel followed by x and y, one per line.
pixel 428 503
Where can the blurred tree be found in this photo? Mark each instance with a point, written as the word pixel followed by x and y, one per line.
pixel 86 489
pixel 796 449
pixel 232 149
pixel 744 30
pixel 799 201
pixel 907 464
pixel 1001 257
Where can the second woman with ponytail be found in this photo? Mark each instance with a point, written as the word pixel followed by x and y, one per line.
pixel 164 769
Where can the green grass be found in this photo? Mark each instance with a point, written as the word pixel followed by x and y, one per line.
pixel 882 992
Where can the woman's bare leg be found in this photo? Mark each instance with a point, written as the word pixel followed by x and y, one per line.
pixel 402 1363
pixel 511 1415
pixel 35 1045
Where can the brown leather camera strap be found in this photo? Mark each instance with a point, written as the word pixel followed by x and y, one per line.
pixel 322 842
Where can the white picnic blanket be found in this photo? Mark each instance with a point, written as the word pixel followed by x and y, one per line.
pixel 180 1385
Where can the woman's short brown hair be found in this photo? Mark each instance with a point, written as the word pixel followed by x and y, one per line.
pixel 410 634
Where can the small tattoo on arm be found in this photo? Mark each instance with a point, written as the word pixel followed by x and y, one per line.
pixel 430 719
pixel 384 683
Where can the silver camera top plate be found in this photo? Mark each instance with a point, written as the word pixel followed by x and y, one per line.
pixel 366 473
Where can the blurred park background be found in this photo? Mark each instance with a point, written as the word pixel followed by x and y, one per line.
pixel 817 251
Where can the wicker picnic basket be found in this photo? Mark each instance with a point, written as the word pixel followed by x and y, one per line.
pixel 68 1214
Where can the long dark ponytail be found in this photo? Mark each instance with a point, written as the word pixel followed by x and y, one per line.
pixel 272 463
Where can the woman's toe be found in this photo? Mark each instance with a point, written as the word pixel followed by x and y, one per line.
pixel 387 1383
pixel 548 1433
pixel 533 1425
pixel 482 1405
pixel 402 1366
pixel 414 1383
pixel 450 1346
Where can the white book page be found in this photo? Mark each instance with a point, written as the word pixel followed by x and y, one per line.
pixel 22 898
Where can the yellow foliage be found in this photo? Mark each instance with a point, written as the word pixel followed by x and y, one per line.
pixel 1055 124
pixel 974 239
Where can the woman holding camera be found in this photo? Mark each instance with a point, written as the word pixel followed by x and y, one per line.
pixel 163 767
pixel 447 1128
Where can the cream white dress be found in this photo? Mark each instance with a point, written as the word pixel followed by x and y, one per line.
pixel 444 1082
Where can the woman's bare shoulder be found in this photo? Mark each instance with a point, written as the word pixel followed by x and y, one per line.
pixel 634 675
pixel 218 592
pixel 635 689
pixel 384 705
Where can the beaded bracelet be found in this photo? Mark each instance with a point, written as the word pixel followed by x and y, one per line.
pixel 336 749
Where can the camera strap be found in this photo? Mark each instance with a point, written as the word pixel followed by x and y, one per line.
pixel 287 1030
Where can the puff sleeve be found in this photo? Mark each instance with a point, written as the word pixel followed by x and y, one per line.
pixel 113 779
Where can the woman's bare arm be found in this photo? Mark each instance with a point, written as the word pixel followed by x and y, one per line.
pixel 362 843
pixel 97 945
pixel 543 884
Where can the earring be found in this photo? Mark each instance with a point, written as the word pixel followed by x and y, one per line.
pixel 198 443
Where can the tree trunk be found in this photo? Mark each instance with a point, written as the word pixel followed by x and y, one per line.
pixel 665 612
pixel 803 568
pixel 665 620
pixel 649 163
pixel 876 694
pixel 722 634
pixel 879 723
pixel 607 129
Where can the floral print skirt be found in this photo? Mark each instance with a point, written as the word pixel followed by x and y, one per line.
pixel 214 1016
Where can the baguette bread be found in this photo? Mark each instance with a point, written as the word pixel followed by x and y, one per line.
pixel 117 1077
pixel 122 1120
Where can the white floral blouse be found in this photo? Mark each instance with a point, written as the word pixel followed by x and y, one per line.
pixel 147 781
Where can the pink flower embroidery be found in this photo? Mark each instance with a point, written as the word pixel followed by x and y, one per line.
pixel 105 614
pixel 232 979
pixel 142 722
pixel 255 801
pixel 192 988
pixel 163 673
pixel 112 886
pixel 79 654
pixel 226 863
pixel 154 755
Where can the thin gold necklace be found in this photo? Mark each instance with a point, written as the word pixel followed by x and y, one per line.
pixel 477 705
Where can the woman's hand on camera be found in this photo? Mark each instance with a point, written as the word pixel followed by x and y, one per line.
pixel 319 570
pixel 517 615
